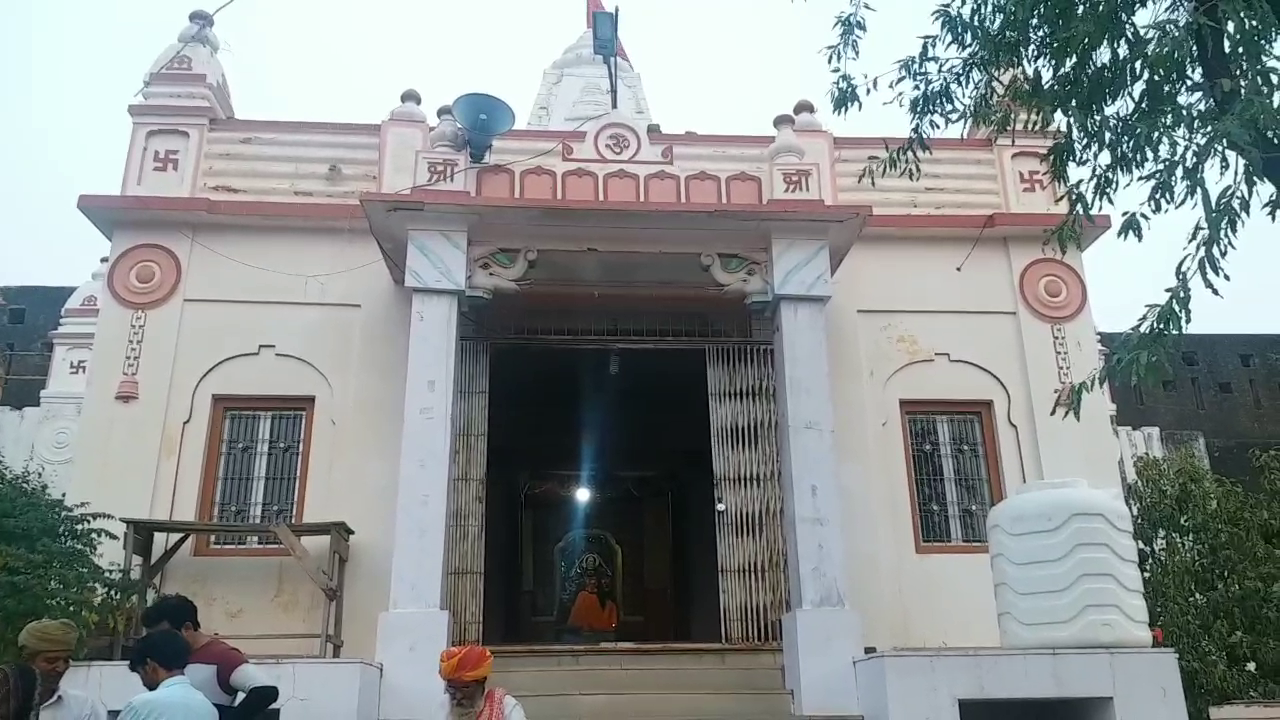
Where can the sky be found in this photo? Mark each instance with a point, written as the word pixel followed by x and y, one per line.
pixel 69 69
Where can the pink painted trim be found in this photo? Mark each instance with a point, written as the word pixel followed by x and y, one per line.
pixel 1076 293
pixel 700 176
pixel 662 175
pixel 816 208
pixel 494 171
pixel 168 276
pixel 527 134
pixel 236 124
pixel 743 178
pixel 627 130
pixel 972 143
pixel 1027 220
pixel 690 138
pixel 580 173
pixel 693 138
pixel 622 175
pixel 143 203
pixel 540 171
pixel 809 208
pixel 140 109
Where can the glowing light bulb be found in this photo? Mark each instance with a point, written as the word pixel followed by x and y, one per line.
pixel 582 494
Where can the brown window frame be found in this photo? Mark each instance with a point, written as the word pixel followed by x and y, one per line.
pixel 204 546
pixel 986 411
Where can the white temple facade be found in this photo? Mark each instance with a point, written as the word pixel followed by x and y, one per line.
pixel 42 438
pixel 686 425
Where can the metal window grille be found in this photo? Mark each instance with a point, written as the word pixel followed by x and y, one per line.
pixel 952 477
pixel 259 467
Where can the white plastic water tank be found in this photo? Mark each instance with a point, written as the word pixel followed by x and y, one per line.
pixel 1065 568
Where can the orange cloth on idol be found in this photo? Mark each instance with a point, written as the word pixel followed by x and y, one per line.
pixel 467 663
pixel 588 615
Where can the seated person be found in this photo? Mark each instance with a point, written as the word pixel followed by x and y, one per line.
pixel 593 610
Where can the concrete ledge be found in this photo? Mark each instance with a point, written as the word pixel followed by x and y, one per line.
pixel 1142 684
pixel 310 689
pixel 1246 710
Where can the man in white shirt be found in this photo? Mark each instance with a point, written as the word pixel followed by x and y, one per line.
pixel 159 659
pixel 47 645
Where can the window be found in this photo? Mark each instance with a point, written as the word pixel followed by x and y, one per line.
pixel 255 467
pixel 1248 360
pixel 1254 394
pixel 15 315
pixel 1190 359
pixel 1226 388
pixel 1197 393
pixel 1169 386
pixel 954 473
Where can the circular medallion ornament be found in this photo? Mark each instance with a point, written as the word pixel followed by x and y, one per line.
pixel 1052 290
pixel 144 276
pixel 54 440
pixel 617 142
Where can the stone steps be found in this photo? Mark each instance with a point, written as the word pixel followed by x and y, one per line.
pixel 664 705
pixel 643 683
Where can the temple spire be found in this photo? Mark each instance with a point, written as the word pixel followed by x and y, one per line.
pixel 595 6
pixel 575 88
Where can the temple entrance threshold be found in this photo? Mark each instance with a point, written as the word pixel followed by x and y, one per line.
pixel 622 493
pixel 600 509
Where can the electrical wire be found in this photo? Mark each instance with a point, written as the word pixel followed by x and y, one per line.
pixel 147 82
pixel 308 276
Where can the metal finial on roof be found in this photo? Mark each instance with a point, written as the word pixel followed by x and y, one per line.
pixel 201 17
pixel 199 31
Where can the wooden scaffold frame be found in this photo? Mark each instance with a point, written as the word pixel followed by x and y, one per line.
pixel 329 577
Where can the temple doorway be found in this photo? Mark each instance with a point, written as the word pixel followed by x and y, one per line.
pixel 616 477
pixel 600 500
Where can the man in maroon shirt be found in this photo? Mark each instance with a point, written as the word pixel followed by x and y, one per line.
pixel 216 669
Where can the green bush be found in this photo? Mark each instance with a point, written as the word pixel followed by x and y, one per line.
pixel 49 561
pixel 1210 555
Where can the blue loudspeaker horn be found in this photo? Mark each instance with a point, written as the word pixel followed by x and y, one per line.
pixel 482 118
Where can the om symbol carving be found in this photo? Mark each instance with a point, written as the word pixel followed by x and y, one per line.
pixel 617 143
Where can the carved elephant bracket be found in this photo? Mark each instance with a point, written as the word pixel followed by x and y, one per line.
pixel 495 270
pixel 742 275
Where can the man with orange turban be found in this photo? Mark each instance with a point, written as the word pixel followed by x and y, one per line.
pixel 465 670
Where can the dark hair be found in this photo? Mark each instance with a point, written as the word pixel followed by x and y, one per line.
pixel 172 610
pixel 166 648
pixel 18 690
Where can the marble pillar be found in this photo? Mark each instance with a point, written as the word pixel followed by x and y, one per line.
pixel 415 627
pixel 821 634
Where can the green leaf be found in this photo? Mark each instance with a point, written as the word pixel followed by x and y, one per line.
pixel 48 553
pixel 1178 99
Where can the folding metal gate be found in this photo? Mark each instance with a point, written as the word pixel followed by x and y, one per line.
pixel 464 549
pixel 744 448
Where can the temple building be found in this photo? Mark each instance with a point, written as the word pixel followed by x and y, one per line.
pixel 53 368
pixel 687 425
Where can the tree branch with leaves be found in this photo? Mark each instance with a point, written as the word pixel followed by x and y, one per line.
pixel 49 561
pixel 1210 557
pixel 1180 98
